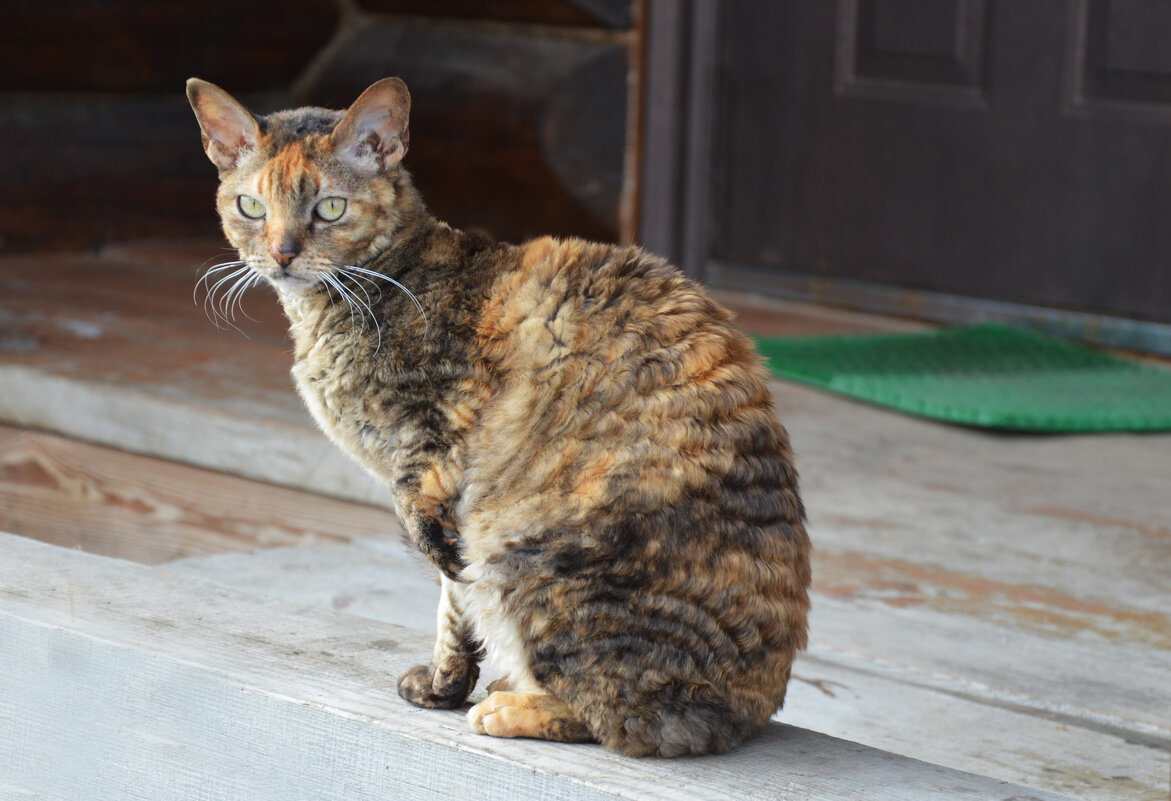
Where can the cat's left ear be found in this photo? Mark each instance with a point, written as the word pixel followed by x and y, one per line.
pixel 373 133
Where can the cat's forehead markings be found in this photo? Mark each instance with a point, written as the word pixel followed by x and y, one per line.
pixel 290 172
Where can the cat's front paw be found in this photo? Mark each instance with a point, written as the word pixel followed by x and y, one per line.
pixel 424 686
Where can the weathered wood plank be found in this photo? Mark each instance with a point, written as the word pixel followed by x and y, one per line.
pixel 142 421
pixel 119 683
pixel 894 709
pixel 374 577
pixel 889 709
pixel 85 170
pixel 118 504
pixel 1061 535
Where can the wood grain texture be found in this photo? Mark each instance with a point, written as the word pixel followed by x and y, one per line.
pixel 196 691
pixel 945 723
pixel 86 170
pixel 126 46
pixel 119 504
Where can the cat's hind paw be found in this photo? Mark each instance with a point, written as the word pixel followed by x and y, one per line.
pixel 541 716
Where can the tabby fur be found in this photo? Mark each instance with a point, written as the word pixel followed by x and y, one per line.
pixel 574 433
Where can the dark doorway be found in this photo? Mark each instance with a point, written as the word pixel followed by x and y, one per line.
pixel 1012 151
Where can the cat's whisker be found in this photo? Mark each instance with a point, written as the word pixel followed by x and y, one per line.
pixel 203 279
pixel 210 305
pixel 239 300
pixel 366 280
pixel 333 282
pixel 236 293
pixel 361 306
pixel 369 301
pixel 224 300
pixel 409 293
pixel 213 288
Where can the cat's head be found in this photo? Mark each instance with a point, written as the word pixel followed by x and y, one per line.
pixel 306 192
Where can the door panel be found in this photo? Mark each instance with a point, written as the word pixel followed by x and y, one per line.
pixel 1017 151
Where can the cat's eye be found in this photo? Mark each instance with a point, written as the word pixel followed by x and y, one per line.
pixel 331 208
pixel 250 207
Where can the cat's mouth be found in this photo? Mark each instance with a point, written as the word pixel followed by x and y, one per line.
pixel 287 279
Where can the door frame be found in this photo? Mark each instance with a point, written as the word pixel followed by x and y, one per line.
pixel 680 60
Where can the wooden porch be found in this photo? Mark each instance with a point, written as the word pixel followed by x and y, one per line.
pixel 992 615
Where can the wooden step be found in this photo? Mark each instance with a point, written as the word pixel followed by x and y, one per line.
pixel 121 683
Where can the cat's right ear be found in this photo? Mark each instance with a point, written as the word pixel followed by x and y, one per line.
pixel 229 130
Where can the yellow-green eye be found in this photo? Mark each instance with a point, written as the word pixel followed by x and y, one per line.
pixel 250 207
pixel 331 208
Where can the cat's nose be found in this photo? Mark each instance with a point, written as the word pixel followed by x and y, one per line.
pixel 284 253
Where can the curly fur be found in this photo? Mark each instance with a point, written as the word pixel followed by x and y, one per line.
pixel 575 434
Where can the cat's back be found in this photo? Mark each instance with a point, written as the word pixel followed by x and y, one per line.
pixel 623 386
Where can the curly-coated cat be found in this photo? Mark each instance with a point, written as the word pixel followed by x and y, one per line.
pixel 574 433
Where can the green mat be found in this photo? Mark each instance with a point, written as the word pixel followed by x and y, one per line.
pixel 983 375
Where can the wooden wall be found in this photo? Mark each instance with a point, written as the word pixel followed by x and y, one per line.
pixel 519 125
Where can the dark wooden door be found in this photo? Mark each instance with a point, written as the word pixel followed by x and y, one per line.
pixel 1017 150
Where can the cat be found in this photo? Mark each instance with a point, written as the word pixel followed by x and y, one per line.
pixel 573 433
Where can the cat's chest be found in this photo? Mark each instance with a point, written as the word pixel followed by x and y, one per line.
pixel 343 402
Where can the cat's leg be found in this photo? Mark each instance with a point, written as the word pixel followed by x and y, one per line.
pixel 517 704
pixel 455 661
pixel 538 715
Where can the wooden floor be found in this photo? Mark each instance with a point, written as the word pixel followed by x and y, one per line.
pixel 998 604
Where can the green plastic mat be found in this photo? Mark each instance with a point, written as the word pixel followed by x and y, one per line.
pixel 983 375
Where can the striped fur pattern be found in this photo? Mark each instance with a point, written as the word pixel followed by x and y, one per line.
pixel 574 434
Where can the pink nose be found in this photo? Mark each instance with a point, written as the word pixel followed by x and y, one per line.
pixel 284 257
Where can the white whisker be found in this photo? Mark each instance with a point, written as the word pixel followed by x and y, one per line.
pixel 357 277
pixel 236 293
pixel 361 288
pixel 238 277
pixel 223 304
pixel 333 282
pixel 361 306
pixel 371 273
pixel 212 306
pixel 218 268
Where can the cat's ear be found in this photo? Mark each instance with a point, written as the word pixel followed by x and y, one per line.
pixel 229 130
pixel 373 133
